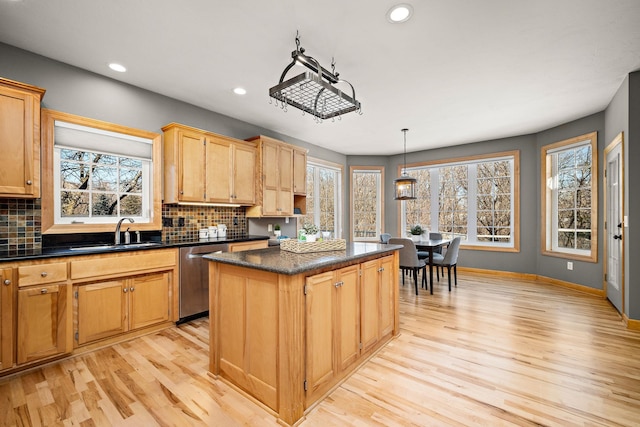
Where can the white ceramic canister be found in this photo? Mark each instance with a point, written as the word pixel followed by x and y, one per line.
pixel 213 232
pixel 203 233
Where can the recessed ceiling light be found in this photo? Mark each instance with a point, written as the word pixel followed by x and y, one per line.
pixel 117 67
pixel 400 13
pixel 240 91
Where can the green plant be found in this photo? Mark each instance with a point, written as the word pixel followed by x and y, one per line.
pixel 416 230
pixel 276 227
pixel 310 228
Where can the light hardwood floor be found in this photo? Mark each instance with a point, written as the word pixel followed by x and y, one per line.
pixel 492 352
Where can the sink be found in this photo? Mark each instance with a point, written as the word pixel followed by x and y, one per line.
pixel 106 247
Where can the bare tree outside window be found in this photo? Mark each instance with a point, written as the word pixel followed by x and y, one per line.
pixel 418 211
pixel 99 185
pixel 494 201
pixel 323 197
pixel 452 215
pixel 366 194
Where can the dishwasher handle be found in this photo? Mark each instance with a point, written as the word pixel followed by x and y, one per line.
pixel 192 256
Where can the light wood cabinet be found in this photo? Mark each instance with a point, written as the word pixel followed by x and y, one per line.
pixel 275 178
pixel 247 246
pixel 6 318
pixel 299 172
pixel 44 322
pixel 203 167
pixel 20 139
pixel 376 301
pixel 332 328
pixel 113 307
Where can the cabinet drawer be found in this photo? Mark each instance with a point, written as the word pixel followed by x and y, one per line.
pixel 42 273
pixel 110 265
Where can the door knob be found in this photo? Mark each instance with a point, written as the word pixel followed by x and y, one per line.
pixel 618 236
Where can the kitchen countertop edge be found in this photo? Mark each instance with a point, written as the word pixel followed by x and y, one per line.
pixel 275 260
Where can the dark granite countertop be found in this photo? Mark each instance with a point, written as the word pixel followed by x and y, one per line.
pixel 63 251
pixel 279 261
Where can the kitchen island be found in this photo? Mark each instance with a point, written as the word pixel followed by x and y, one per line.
pixel 286 328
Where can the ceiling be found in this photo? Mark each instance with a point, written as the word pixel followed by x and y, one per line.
pixel 458 71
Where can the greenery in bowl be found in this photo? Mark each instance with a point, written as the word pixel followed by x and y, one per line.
pixel 416 230
pixel 276 227
pixel 310 228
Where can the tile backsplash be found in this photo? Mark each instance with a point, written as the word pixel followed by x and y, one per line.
pixel 20 225
pixel 197 217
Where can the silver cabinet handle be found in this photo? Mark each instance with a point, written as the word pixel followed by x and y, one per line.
pixel 29 182
pixel 381 269
pixel 125 290
pixel 7 282
pixel 44 291
pixel 338 284
pixel 131 289
pixel 43 274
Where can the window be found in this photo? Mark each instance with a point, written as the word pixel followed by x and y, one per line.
pixel 324 200
pixel 366 202
pixel 569 198
pixel 474 198
pixel 98 173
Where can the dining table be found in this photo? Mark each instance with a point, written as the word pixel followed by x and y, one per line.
pixel 430 245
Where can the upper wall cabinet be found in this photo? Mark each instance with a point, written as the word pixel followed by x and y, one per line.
pixel 20 139
pixel 299 171
pixel 275 177
pixel 203 167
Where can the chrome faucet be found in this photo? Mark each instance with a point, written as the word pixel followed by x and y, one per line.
pixel 117 237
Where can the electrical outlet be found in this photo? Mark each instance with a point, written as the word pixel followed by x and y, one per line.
pixel 269 228
pixel 569 265
pixel 167 222
pixel 235 220
pixel 286 220
pixel 180 222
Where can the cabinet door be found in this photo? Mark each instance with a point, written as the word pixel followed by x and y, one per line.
pixel 219 171
pixel 148 300
pixel 191 175
pixel 20 142
pixel 387 290
pixel 285 180
pixel 369 304
pixel 101 311
pixel 347 316
pixel 300 172
pixel 44 324
pixel 6 318
pixel 270 188
pixel 244 175
pixel 320 318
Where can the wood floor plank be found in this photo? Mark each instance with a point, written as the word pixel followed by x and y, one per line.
pixel 493 352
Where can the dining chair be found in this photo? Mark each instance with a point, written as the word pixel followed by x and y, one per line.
pixel 437 253
pixel 450 260
pixel 384 237
pixel 409 260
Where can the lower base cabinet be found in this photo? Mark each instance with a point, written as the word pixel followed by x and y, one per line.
pixel 113 307
pixel 333 327
pixel 6 318
pixel 44 324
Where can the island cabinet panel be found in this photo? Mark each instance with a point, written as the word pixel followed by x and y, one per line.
pixel 377 301
pixel 6 318
pixel 333 335
pixel 248 332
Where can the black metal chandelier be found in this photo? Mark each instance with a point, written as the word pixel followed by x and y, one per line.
pixel 405 185
pixel 314 91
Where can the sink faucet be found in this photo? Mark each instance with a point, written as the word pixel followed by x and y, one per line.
pixel 117 237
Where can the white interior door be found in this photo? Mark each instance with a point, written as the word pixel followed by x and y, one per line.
pixel 614 224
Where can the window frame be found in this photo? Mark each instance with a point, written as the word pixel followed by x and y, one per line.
pixel 379 207
pixel 548 207
pixel 476 159
pixel 339 170
pixel 49 225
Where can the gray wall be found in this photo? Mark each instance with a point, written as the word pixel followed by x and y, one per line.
pixel 76 91
pixel 632 199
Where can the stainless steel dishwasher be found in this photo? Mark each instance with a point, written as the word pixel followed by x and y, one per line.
pixel 194 280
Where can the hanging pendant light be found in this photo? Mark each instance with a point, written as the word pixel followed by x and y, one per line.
pixel 405 185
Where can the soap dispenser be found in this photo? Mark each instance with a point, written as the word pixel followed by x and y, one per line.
pixel 127 237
